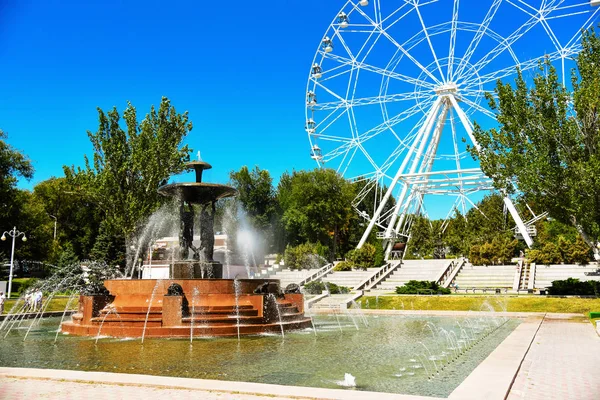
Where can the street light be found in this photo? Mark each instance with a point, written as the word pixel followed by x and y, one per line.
pixel 13 233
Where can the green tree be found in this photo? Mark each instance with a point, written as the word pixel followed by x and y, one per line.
pixel 487 221
pixel 35 223
pixel 457 235
pixel 503 248
pixel 257 196
pixel 13 164
pixel 130 163
pixel 317 207
pixel 421 241
pixel 363 258
pixel 552 153
pixel 77 217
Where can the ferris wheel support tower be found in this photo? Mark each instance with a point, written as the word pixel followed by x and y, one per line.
pixel 417 179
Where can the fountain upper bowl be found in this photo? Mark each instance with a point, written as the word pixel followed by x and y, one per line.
pixel 197 192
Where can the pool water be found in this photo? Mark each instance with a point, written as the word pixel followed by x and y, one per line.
pixel 427 356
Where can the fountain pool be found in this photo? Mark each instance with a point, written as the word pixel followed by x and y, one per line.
pixel 396 354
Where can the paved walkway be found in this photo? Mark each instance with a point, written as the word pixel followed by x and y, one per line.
pixel 563 363
pixel 19 388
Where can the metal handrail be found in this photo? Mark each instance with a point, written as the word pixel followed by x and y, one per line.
pixel 327 268
pixel 447 271
pixel 452 271
pixel 379 275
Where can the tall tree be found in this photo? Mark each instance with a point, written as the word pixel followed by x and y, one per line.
pixel 317 207
pixel 13 164
pixel 257 195
pixel 130 163
pixel 76 216
pixel 548 141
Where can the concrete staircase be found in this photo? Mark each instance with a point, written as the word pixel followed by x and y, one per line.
pixel 350 279
pixel 525 277
pixel 491 276
pixel 545 274
pixel 417 270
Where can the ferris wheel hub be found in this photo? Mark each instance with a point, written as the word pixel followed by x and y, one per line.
pixel 447 88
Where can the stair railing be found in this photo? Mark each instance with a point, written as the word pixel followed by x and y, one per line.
pixel 453 269
pixel 378 275
pixel 326 269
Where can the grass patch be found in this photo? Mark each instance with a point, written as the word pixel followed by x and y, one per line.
pixel 56 304
pixel 479 303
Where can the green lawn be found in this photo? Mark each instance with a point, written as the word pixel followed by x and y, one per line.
pixel 56 304
pixel 477 303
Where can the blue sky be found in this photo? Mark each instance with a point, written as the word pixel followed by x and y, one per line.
pixel 239 67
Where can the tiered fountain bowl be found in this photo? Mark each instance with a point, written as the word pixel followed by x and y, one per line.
pixel 194 301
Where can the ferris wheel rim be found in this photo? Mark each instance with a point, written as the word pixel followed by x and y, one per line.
pixel 349 144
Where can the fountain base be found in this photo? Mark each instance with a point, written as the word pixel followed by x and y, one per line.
pixel 197 270
pixel 199 307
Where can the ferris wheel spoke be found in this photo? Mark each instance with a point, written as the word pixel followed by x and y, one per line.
pixel 338 151
pixel 344 45
pixel 331 92
pixel 479 108
pixel 511 70
pixel 477 38
pixel 551 34
pixel 330 119
pixel 588 24
pixel 402 145
pixel 371 133
pixel 531 12
pixel 366 101
pixel 509 41
pixel 398 45
pixel 333 76
pixel 380 71
pixel 367 156
pixel 343 170
pixel 393 14
pixel 404 115
pixel 331 138
pixel 454 26
pixel 435 58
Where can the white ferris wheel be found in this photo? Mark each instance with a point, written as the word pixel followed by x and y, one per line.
pixel 395 86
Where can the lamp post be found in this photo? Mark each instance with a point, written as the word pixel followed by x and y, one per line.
pixel 13 233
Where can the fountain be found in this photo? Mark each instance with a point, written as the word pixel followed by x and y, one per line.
pixel 194 299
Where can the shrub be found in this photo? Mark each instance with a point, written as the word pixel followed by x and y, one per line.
pixel 579 252
pixel 303 256
pixel 421 287
pixel 335 289
pixel 364 257
pixel 344 266
pixel 572 286
pixel 314 287
pixel 474 255
pixel 563 251
pixel 278 259
pixel 534 256
pixel 550 254
pixel 318 287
